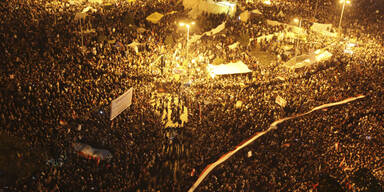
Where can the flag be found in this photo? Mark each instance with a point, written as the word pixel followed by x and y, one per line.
pixel 121 103
pixel 281 101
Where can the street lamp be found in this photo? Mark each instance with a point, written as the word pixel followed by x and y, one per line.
pixel 297 21
pixel 267 2
pixel 342 10
pixel 187 25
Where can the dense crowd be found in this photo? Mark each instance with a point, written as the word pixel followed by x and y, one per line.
pixel 60 72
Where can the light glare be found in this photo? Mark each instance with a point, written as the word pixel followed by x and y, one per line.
pixel 267 2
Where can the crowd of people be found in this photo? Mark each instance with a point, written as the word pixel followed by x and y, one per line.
pixel 60 72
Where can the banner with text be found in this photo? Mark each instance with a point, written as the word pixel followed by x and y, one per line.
pixel 121 103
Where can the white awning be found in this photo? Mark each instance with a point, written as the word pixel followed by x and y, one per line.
pixel 229 68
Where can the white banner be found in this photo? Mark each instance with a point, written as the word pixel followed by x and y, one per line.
pixel 121 103
pixel 214 31
pixel 273 126
pixel 229 68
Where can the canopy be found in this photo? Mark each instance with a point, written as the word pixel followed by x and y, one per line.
pixel 281 14
pixel 155 17
pixel 199 6
pixel 324 29
pixel 256 11
pixel 274 23
pixel 307 60
pixel 244 16
pixel 229 68
pixel 234 45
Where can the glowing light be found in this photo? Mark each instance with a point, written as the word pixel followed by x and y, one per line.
pixel 267 2
pixel 296 20
pixel 346 1
pixel 181 24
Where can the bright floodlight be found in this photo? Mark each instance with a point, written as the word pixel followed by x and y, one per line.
pixel 267 2
pixel 346 1
pixel 296 20
pixel 181 24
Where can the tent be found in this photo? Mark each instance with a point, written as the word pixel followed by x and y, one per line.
pixel 209 6
pixel 307 60
pixel 274 23
pixel 324 29
pixel 234 45
pixel 155 17
pixel 229 68
pixel 281 14
pixel 244 16
pixel 256 11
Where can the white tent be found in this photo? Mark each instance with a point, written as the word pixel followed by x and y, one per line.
pixel 209 6
pixel 274 23
pixel 244 16
pixel 256 11
pixel 155 17
pixel 306 60
pixel 324 29
pixel 229 68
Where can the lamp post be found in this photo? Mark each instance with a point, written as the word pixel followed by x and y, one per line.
pixel 342 10
pixel 298 21
pixel 188 26
pixel 317 4
pixel 267 2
